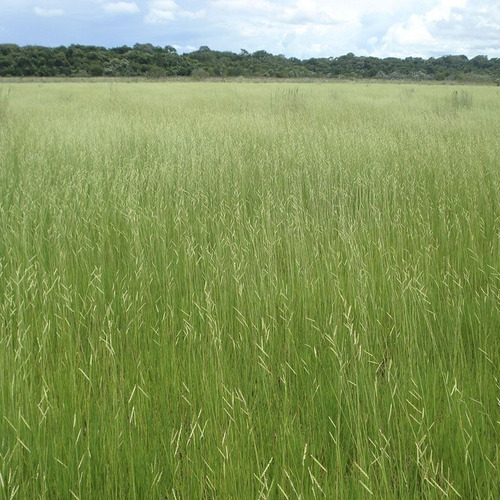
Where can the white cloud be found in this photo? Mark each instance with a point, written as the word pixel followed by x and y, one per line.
pixel 306 12
pixel 166 11
pixel 315 10
pixel 300 28
pixel 163 5
pixel 415 31
pixel 443 10
pixel 161 11
pixel 121 7
pixel 184 48
pixel 248 6
pixel 157 16
pixel 448 27
pixel 39 11
pixel 186 14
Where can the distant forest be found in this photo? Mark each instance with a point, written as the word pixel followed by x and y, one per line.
pixel 146 60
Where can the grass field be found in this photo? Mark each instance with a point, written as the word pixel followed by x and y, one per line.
pixel 249 290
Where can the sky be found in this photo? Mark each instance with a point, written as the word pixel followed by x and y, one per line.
pixel 295 28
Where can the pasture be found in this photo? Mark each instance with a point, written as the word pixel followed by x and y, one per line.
pixel 249 290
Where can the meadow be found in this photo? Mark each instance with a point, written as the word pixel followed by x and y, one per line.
pixel 249 290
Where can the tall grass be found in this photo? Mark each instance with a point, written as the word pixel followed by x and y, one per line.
pixel 249 291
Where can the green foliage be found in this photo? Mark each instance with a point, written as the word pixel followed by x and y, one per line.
pixel 200 74
pixel 118 67
pixel 253 290
pixel 156 73
pixel 148 60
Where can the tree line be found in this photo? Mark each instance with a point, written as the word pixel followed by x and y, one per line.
pixel 147 60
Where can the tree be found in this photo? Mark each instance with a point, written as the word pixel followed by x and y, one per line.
pixel 117 67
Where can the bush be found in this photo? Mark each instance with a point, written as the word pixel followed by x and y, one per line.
pixel 156 72
pixel 200 74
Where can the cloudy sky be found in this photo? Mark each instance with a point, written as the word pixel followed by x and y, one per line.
pixel 299 28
